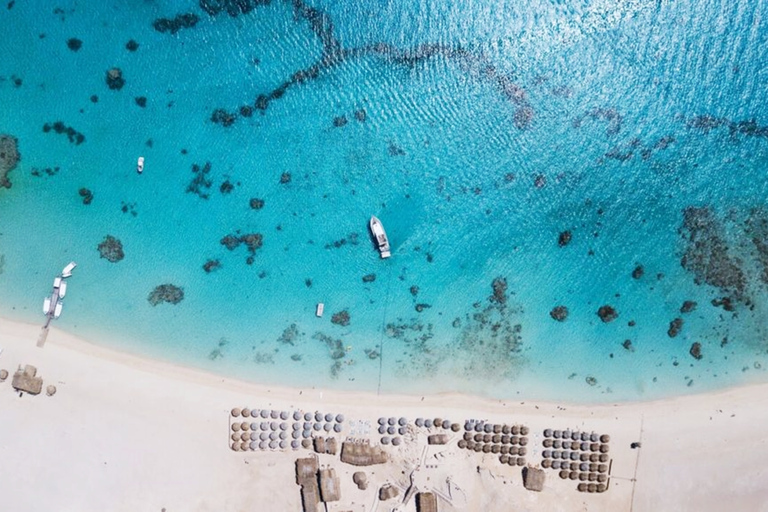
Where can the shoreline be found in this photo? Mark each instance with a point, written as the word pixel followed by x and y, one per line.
pixel 127 423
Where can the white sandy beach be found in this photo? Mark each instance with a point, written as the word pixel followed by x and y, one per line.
pixel 124 433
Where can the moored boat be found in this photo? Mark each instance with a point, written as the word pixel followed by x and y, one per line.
pixel 67 272
pixel 320 309
pixel 57 310
pixel 140 165
pixel 382 242
pixel 46 305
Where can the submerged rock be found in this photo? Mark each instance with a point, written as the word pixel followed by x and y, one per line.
pixel 414 290
pixel 341 318
pixel 289 335
pixel 564 238
pixel 166 293
pixel 688 306
pixel 559 313
pixel 499 286
pixel 115 80
pixel 591 380
pixel 211 265
pixel 256 204
pixel 421 307
pixel 674 327
pixel 726 303
pixel 111 249
pixel 628 345
pixel 361 115
pixel 175 24
pixel 607 313
pixel 141 101
pixel 369 278
pixel 340 121
pixel 9 157
pixel 638 272
pixel 86 194
pixel 74 44
pixel 285 178
pixel 696 350
pixel 131 46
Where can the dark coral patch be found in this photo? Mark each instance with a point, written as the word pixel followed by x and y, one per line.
pixel 341 318
pixel 607 313
pixel 86 194
pixel 111 249
pixel 141 101
pixel 166 293
pixel 131 46
pixel 175 24
pixel 74 44
pixel 114 79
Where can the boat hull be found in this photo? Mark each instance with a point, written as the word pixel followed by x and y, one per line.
pixel 380 236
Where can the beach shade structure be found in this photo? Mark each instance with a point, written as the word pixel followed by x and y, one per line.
pixel 235 436
pixel 556 454
pixel 283 426
pixel 283 415
pixel 547 432
pixel 547 443
pixel 295 444
pixel 318 416
pixel 604 448
pixel 297 415
pixel 246 412
pixel 254 413
pixel 584 467
pixel 487 428
pixel 478 438
pixel 339 418
pixel 584 436
pixel 524 430
pixel 306 434
pixel 462 443
pixel 522 451
pixel 513 450
pixel 593 467
pixel 391 430
pixel 603 457
pixel 593 437
pixel 521 461
pixel 514 440
pixel 468 425
pixel 593 447
pixel 566 445
pixel 495 448
pixel 235 447
pixel 254 436
pixel 360 480
pixel 391 421
pixel 574 456
pixel 317 427
pixel 503 458
pixel 557 443
pixel 253 445
pixel 235 427
pixel 582 487
pixel 283 444
pixel 438 422
pixel 446 424
pixel 337 428
pixel 306 443
pixel 584 446
pixel 512 461
pixel 605 438
pixel 273 445
pixel 470 445
pixel 497 429
pixel 478 427
pixel 573 475
pixel 382 421
pixel 467 436
pixel 402 431
pixel 594 457
pixel 455 427
pixel 557 434
pixel 602 468
pixel 296 434
pixel 533 479
pixel 385 440
pixel 264 414
pixel 382 429
pixel 307 416
pixel 263 436
pixel 263 445
pixel 274 414
pixel 387 492
pixel 419 422
pixel 254 426
pixel 555 463
pixel 273 436
pixel 486 448
pixel 505 439
pixel 504 449
pixel 523 441
pixel 264 425
pixel 329 417
pixel 496 438
pixel 307 425
pixel 516 430
pixel 506 429
pixel 591 487
pixel 235 412
pixel 602 477
pixel 245 426
pixel 328 427
pixel 547 454
pixel 402 422
pixel 600 488
pixel 546 463
pixel 428 423
pixel 478 447
pixel 244 446
pixel 396 441
pixel 584 457
pixel 575 436
pixel 592 476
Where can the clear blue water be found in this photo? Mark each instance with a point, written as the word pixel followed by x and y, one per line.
pixel 471 184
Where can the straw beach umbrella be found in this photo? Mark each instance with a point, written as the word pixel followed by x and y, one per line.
pixel 235 412
pixel 284 415
pixel 594 437
pixel 396 441
pixel 235 436
pixel 557 434
pixel 522 451
pixel 385 440
pixel 557 443
pixel 546 463
pixel 246 412
pixel 402 422
pixel 505 439
pixel 516 430
pixel 604 448
pixel 329 417
pixel 382 429
pixel 603 457
pixel 235 427
pixel 297 415
pixel 337 428
pixel 592 476
pixel 254 413
pixel 455 427
pixel 428 423
pixel 605 438
pixel 506 429
pixel 235 447
pixel 555 464
pixel 339 418
pixel 263 436
pixel 584 457
pixel 295 445
pixel 581 487
pixel 602 477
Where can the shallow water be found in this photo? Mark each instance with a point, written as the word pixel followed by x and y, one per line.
pixel 477 132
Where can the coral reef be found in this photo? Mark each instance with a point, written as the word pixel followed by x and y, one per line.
pixel 141 101
pixel 115 80
pixel 341 318
pixel 340 121
pixel 749 128
pixel 111 249
pixel 290 335
pixel 688 306
pixel 369 278
pixel 73 135
pixel 559 313
pixel 695 350
pixel 499 286
pixel 674 327
pixel 200 184
pixel 256 203
pixel 222 117
pixel 253 241
pixel 9 158
pixel 609 115
pixel 607 313
pixel 335 346
pixel 706 253
pixel 48 171
pixel 638 272
pixel 351 239
pixel 166 293
pixel 131 46
pixel 86 194
pixel 74 44
pixel 285 178
pixel 211 265
pixel 564 238
pixel 175 24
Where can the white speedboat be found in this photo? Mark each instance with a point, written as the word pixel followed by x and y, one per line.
pixel 320 309
pixel 381 237
pixel 46 305
pixel 67 272
pixel 140 165
pixel 62 289
pixel 57 282
pixel 57 311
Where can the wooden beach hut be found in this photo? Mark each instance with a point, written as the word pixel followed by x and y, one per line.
pixel 426 502
pixel 27 380
pixel 330 490
pixel 533 479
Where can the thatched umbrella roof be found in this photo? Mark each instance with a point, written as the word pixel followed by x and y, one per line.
pixel 455 427
pixel 546 463
pixel 295 444
pixel 438 422
pixel 297 415
pixel 462 443
pixel 601 488
pixel 396 441
pixel 605 438
pixel 521 461
pixel 522 451
pixel 245 425
pixel 385 440
pixel 243 446
pixel 602 468
pixel 547 443
pixel 308 416
pixel 486 448
pixel 547 454
pixel 254 413
pixel 593 447
pixel 478 447
pixel 582 487
pixel 557 434
pixel 496 438
pixel 254 436
pixel 318 416
pixel 524 430
pixel 591 487
pixel 592 476
pixel 584 457
pixel 235 436
pixel 245 412
pixel 514 440
pixel 495 448
pixel 594 437
pixel 602 477
pixel 506 429
pixel 512 461
pixel 235 447
pixel 523 441
pixel 470 445
pixel 236 427
pixel 516 430
pixel 604 448
pixel 573 475
pixel 547 432
pixel 503 458
pixel 603 457
pixel 497 429
pixel 50 390
pixel 487 438
pixel 505 439
pixel 428 423
pixel 504 449
pixel 337 428
pixel 306 443
pixel 513 450
pixel 235 412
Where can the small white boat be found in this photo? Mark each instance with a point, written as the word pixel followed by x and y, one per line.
pixel 62 289
pixel 57 311
pixel 320 309
pixel 140 165
pixel 381 237
pixel 67 272
pixel 46 305
pixel 56 282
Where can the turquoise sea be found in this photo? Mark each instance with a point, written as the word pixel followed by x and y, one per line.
pixel 521 155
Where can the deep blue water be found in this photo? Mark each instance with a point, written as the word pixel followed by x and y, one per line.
pixel 477 131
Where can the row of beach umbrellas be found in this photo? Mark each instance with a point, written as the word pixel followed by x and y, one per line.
pixel 576 436
pixel 583 487
pixel 491 428
pixel 495 438
pixel 284 415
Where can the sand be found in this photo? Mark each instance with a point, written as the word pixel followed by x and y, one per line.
pixel 125 433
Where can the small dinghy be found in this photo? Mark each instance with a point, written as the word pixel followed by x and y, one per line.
pixel 140 165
